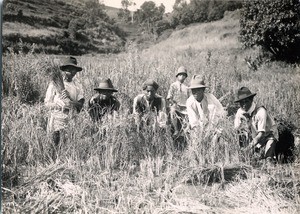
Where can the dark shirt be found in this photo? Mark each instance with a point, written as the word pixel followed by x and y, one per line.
pixel 142 106
pixel 102 107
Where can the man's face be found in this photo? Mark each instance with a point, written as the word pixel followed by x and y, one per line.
pixel 245 104
pixel 181 77
pixel 150 93
pixel 198 93
pixel 105 94
pixel 70 73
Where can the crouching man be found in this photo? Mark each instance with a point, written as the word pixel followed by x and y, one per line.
pixel 255 126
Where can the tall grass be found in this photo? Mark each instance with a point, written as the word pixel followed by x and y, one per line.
pixel 113 168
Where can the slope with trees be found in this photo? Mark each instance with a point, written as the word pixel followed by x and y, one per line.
pixel 60 27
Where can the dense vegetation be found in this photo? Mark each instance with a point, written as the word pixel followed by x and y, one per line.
pixel 201 11
pixel 274 25
pixel 60 27
pixel 151 18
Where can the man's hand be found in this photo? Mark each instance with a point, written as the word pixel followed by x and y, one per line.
pixel 94 98
pixel 65 95
pixel 63 104
pixel 253 142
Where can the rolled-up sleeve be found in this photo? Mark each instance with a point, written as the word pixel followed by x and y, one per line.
pixel 135 107
pixel 162 114
pixel 261 120
pixel 50 93
pixel 192 115
pixel 80 92
pixel 171 92
pixel 237 120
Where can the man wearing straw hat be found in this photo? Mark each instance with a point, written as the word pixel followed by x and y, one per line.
pixel 103 102
pixel 63 97
pixel 255 126
pixel 202 108
pixel 150 105
pixel 177 96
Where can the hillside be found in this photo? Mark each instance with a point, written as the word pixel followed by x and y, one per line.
pixel 217 35
pixel 59 26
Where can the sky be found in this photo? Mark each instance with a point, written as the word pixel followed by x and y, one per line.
pixel 117 3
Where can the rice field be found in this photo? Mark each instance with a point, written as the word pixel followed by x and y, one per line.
pixel 113 168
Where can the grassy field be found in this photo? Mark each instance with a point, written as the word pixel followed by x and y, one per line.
pixel 111 168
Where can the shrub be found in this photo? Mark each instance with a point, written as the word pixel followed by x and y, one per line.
pixel 273 25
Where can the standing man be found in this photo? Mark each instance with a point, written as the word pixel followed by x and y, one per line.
pixel 202 108
pixel 103 102
pixel 149 105
pixel 177 96
pixel 255 125
pixel 65 100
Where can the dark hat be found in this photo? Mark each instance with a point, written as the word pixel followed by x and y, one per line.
pixel 181 70
pixel 106 84
pixel 243 93
pixel 150 83
pixel 70 62
pixel 197 81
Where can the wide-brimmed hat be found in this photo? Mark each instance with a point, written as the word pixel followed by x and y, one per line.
pixel 243 93
pixel 181 70
pixel 107 85
pixel 70 62
pixel 197 81
pixel 150 84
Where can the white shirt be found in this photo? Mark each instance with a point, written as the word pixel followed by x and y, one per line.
pixel 53 96
pixel 209 110
pixel 179 93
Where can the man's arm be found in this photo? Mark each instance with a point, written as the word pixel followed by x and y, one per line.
pixel 261 125
pixel 193 118
pixel 78 104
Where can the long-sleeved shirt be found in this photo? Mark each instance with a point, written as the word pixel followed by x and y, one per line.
pixel 179 93
pixel 58 118
pixel 209 110
pixel 53 96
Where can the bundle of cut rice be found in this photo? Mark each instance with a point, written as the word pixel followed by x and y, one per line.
pixel 56 77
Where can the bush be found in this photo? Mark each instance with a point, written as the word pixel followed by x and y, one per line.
pixel 274 25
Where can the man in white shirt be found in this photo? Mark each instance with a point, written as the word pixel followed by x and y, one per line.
pixel 202 108
pixel 64 103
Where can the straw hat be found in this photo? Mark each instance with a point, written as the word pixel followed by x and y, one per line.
pixel 181 70
pixel 70 62
pixel 150 84
pixel 197 81
pixel 244 93
pixel 106 84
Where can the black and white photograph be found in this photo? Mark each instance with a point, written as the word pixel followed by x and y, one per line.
pixel 150 106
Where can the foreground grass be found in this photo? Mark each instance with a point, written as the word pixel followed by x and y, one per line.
pixel 111 168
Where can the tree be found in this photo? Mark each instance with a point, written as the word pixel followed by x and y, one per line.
pixel 273 25
pixel 149 14
pixel 200 10
pixel 124 12
pixel 126 3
